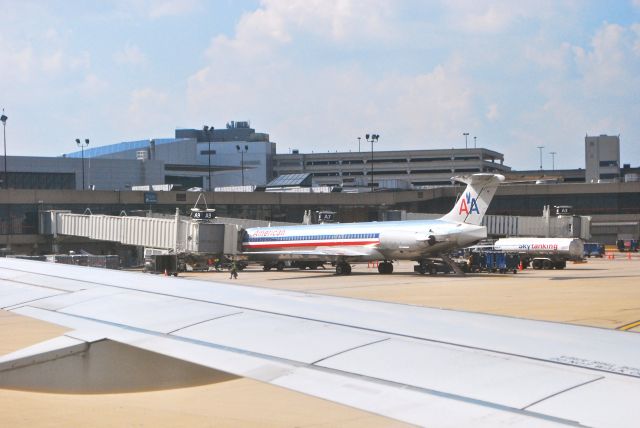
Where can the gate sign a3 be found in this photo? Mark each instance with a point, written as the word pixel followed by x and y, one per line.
pixel 203 215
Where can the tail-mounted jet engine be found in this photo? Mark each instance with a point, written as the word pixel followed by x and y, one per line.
pixel 408 240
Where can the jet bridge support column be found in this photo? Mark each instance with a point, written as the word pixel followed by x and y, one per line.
pixel 177 236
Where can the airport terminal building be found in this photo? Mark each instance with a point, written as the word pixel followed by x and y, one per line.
pixel 238 155
pixel 413 181
pixel 390 169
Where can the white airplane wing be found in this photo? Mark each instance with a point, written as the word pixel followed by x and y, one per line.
pixel 420 365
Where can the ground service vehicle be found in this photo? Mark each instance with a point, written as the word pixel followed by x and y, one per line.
pixel 543 253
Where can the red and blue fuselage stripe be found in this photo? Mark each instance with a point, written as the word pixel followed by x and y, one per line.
pixel 260 242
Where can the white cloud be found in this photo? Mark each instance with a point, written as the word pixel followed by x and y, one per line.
pixel 131 55
pixel 547 56
pixel 92 84
pixel 16 62
pixel 278 23
pixel 497 16
pixel 169 8
pixel 147 111
pixel 142 99
pixel 81 61
pixel 313 108
pixel 492 112
pixel 53 63
pixel 597 95
pixel 610 65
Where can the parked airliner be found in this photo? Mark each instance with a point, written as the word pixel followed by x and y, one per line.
pixel 385 242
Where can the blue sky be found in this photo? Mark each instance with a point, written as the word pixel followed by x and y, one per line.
pixel 316 74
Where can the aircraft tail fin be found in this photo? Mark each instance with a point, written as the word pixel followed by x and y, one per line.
pixel 475 199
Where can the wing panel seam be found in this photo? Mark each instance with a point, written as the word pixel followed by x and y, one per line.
pixel 350 349
pixel 203 321
pixel 563 391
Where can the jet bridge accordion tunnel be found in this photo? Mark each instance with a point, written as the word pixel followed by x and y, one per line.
pixel 178 234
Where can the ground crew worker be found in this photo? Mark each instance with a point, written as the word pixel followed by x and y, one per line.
pixel 234 270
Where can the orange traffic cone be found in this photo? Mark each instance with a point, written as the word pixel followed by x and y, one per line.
pixel 166 273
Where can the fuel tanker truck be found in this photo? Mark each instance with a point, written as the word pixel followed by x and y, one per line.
pixel 542 253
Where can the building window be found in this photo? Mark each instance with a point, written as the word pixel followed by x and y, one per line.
pixel 431 171
pixel 612 163
pixel 41 180
pixel 434 159
pixel 389 161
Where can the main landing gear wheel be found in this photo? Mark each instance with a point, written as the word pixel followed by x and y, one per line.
pixel 424 268
pixel 385 267
pixel 343 269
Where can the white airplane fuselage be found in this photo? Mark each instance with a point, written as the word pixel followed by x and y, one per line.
pixel 380 241
pixel 394 240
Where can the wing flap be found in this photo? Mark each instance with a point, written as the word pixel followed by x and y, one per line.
pixel 41 280
pixel 303 341
pixel 73 366
pixel 586 403
pixel 139 310
pixel 12 293
pixel 476 374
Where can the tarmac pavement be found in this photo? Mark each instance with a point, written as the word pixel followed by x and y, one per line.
pixel 601 293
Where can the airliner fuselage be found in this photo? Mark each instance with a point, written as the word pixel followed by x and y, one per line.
pixel 408 240
pixel 379 241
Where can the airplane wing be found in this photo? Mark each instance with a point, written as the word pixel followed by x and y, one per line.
pixel 420 365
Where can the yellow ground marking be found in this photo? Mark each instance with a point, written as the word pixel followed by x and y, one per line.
pixel 629 326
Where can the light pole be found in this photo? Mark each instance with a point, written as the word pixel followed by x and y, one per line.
pixel 208 131
pixel 359 144
pixel 474 142
pixel 553 160
pixel 82 145
pixel 4 118
pixel 371 138
pixel 540 148
pixel 242 151
pixel 466 134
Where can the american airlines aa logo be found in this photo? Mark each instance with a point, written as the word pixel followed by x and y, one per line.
pixel 468 205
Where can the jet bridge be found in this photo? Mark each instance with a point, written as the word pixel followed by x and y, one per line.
pixel 177 234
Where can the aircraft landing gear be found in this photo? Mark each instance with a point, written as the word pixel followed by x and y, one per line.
pixel 343 268
pixel 385 267
pixel 426 267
